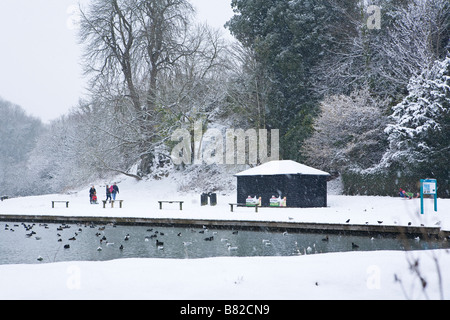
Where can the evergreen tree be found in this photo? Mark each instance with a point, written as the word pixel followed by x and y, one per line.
pixel 419 135
pixel 288 38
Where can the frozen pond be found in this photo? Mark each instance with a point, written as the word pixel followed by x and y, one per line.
pixel 25 242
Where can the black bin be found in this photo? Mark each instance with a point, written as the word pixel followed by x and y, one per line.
pixel 213 199
pixel 204 199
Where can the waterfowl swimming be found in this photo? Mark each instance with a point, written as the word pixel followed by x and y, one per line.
pixel 159 243
pixel 354 246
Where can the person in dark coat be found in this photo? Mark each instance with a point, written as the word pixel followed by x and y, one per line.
pixel 108 193
pixel 92 192
pixel 115 191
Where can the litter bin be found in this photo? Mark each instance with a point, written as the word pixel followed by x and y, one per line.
pixel 213 199
pixel 204 199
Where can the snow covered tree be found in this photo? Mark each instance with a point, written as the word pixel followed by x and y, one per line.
pixel 18 135
pixel 153 69
pixel 348 133
pixel 418 35
pixel 419 135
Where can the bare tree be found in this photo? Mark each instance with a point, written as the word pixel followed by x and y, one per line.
pixel 151 68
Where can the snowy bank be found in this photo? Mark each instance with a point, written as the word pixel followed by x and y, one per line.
pixel 351 275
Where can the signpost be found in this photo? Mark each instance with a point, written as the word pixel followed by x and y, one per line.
pixel 428 187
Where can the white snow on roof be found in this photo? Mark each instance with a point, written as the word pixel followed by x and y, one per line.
pixel 281 167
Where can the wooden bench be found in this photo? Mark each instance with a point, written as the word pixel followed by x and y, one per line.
pixel 112 203
pixel 242 205
pixel 67 203
pixel 180 202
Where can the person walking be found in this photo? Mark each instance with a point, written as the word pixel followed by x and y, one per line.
pixel 115 190
pixel 108 193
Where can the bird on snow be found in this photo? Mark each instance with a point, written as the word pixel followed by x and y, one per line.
pixel 347 221
pixel 380 222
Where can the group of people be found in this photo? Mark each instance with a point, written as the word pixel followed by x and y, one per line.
pixel 408 195
pixel 111 192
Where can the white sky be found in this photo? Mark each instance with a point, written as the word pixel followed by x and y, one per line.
pixel 40 66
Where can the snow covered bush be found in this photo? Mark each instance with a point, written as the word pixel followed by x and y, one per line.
pixel 348 133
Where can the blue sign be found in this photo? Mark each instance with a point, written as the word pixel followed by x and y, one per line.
pixel 428 187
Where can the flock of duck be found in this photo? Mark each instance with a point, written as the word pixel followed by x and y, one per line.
pixel 68 234
pixel 153 235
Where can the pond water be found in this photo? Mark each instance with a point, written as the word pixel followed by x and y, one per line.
pixel 24 243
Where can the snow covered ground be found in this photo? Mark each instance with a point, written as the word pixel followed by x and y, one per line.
pixel 350 275
pixel 141 200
